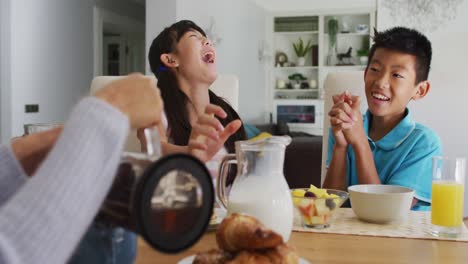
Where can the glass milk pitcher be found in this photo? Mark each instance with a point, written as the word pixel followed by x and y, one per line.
pixel 260 189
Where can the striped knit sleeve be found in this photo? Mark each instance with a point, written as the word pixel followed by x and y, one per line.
pixel 12 175
pixel 45 219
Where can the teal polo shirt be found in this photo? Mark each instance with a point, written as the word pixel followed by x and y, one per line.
pixel 402 157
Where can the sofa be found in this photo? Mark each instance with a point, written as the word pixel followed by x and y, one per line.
pixel 303 158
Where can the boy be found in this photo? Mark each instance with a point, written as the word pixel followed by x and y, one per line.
pixel 385 146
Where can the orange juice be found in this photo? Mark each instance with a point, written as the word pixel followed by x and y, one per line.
pixel 447 203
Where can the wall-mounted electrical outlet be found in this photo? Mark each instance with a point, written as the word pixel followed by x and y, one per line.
pixel 31 108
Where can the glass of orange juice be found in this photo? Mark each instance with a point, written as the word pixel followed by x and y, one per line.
pixel 448 178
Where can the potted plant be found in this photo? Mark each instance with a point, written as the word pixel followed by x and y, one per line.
pixel 296 79
pixel 301 50
pixel 332 32
pixel 363 54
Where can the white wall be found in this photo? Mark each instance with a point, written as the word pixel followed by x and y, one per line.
pixel 445 107
pixel 5 76
pixel 240 24
pixel 123 7
pixel 159 14
pixel 47 57
pixel 51 58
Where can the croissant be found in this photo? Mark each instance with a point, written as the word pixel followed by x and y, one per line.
pixel 249 257
pixel 238 232
pixel 282 254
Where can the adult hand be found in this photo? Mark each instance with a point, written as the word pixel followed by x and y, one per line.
pixel 208 134
pixel 137 97
pixel 32 149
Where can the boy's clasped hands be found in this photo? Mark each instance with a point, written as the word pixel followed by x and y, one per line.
pixel 346 120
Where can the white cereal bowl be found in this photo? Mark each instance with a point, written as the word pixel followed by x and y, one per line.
pixel 377 203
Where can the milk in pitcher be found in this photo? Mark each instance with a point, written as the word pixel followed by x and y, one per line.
pixel 266 198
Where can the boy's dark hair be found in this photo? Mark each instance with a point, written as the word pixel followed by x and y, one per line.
pixel 407 41
pixel 175 101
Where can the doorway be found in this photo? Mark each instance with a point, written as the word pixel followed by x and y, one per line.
pixel 119 44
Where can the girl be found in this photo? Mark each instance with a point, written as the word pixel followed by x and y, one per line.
pixel 183 60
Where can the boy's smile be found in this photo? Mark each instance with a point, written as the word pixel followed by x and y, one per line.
pixel 390 83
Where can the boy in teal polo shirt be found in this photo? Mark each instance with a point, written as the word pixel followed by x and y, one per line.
pixel 386 146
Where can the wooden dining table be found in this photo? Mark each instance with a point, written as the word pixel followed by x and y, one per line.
pixel 335 248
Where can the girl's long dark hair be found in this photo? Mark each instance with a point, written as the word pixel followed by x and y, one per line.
pixel 175 100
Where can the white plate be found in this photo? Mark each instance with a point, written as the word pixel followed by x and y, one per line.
pixel 189 260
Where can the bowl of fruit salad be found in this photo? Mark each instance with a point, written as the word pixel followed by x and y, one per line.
pixel 316 206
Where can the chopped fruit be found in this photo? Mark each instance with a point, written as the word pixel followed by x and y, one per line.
pixel 330 203
pixel 261 136
pixel 319 220
pixel 296 194
pixel 315 205
pixel 320 193
pixel 307 209
pixel 321 207
pixel 299 192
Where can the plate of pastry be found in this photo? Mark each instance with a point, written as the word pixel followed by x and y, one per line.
pixel 243 239
pixel 190 260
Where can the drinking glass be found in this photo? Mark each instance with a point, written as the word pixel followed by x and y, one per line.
pixel 448 178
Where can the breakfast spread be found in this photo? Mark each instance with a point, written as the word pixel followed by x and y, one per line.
pixel 243 239
pixel 316 210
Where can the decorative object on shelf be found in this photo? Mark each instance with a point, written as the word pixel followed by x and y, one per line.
pixel 313 83
pixel 362 55
pixel 282 96
pixel 301 50
pixel 332 32
pixel 424 15
pixel 297 79
pixel 305 85
pixel 290 24
pixel 306 97
pixel 280 84
pixel 362 29
pixel 344 27
pixel 264 54
pixel 345 58
pixel 281 59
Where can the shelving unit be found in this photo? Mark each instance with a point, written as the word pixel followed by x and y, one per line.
pixel 287 28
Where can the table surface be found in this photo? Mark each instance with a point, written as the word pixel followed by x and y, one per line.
pixel 333 248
